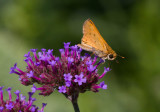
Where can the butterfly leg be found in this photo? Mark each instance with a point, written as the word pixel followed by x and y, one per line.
pixel 84 47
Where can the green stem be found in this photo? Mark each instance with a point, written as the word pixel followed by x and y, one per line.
pixel 75 103
pixel 74 100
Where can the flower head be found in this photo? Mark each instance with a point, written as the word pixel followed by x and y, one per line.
pixel 70 74
pixel 19 105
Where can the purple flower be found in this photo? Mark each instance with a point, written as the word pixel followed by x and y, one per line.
pixel 30 95
pixel 33 50
pixel 9 89
pixel 44 57
pixel 80 79
pixel 17 92
pixel 16 70
pixel 43 50
pixel 70 60
pixel 30 74
pixel 1 87
pixel 1 108
pixel 39 54
pixel 9 92
pixel 50 51
pixel 62 89
pixel 68 83
pixel 33 99
pixel 22 97
pixel 34 88
pixel 67 77
pixel 57 58
pixel 91 68
pixel 33 109
pixel 74 48
pixel 12 69
pixel 43 105
pixel 26 60
pixel 27 55
pixel 18 104
pixel 103 85
pixel 88 62
pixel 52 63
pixel 105 71
pixel 1 93
pixel 61 51
pixel 9 106
pixel 66 45
pixel 38 63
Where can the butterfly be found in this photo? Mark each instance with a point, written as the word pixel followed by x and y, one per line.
pixel 93 41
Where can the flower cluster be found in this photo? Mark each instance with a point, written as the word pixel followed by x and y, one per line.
pixel 69 74
pixel 20 104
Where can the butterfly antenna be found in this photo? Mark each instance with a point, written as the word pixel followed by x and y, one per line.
pixel 117 61
pixel 109 64
pixel 121 56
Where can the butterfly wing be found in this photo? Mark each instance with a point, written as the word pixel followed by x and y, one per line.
pixel 94 42
pixel 92 38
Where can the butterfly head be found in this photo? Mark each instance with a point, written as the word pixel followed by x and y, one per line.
pixel 110 56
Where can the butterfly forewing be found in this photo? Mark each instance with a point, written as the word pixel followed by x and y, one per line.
pixel 94 42
pixel 92 37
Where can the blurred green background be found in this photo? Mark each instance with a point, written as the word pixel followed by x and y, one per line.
pixel 131 27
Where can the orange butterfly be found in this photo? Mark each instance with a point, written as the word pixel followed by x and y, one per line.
pixel 92 41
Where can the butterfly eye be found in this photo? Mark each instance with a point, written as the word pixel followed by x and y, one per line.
pixel 110 56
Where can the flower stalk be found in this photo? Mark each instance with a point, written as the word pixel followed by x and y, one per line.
pixel 75 105
pixel 74 100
